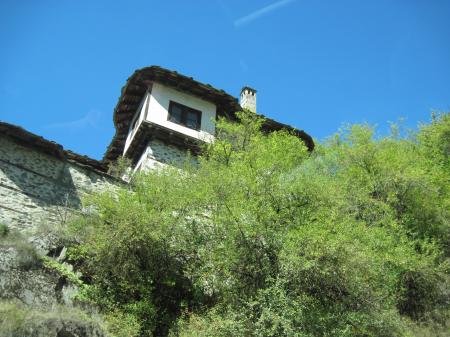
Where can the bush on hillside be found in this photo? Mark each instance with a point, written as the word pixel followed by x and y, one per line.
pixel 262 238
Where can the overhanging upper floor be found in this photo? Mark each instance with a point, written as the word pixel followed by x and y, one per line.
pixel 145 80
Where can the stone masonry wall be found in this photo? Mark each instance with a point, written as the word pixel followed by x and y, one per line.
pixel 159 153
pixel 37 188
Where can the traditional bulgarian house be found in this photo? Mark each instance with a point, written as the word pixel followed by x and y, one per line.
pixel 161 115
pixel 159 118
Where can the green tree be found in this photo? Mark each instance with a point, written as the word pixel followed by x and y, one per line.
pixel 263 238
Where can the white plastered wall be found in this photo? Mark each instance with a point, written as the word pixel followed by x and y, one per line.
pixel 159 107
pixel 154 108
pixel 137 120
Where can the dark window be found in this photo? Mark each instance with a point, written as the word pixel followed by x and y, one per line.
pixel 184 115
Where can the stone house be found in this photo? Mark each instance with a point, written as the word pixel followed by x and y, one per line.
pixel 159 117
pixel 161 114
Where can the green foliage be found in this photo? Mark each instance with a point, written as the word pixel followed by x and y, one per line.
pixel 120 167
pixel 262 238
pixel 17 319
pixel 26 256
pixel 62 269
pixel 4 230
pixel 119 324
pixel 12 319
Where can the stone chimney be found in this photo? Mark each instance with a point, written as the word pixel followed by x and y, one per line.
pixel 248 99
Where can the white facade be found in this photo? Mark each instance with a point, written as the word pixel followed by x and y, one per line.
pixel 248 99
pixel 154 108
pixel 137 120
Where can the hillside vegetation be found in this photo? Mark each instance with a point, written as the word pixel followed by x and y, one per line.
pixel 263 238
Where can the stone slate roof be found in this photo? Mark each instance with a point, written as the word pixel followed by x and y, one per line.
pixel 31 140
pixel 142 79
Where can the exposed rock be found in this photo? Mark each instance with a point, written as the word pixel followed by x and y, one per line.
pixel 41 187
pixel 22 276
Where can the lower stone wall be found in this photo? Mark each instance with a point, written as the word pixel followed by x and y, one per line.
pixel 41 187
pixel 37 188
pixel 158 153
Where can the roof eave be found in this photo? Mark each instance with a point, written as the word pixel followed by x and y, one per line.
pixel 138 83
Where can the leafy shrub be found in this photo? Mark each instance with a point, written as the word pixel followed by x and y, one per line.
pixel 262 238
pixel 16 319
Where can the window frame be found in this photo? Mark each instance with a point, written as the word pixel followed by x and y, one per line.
pixel 185 110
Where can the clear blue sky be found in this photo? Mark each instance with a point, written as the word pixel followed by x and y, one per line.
pixel 315 63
